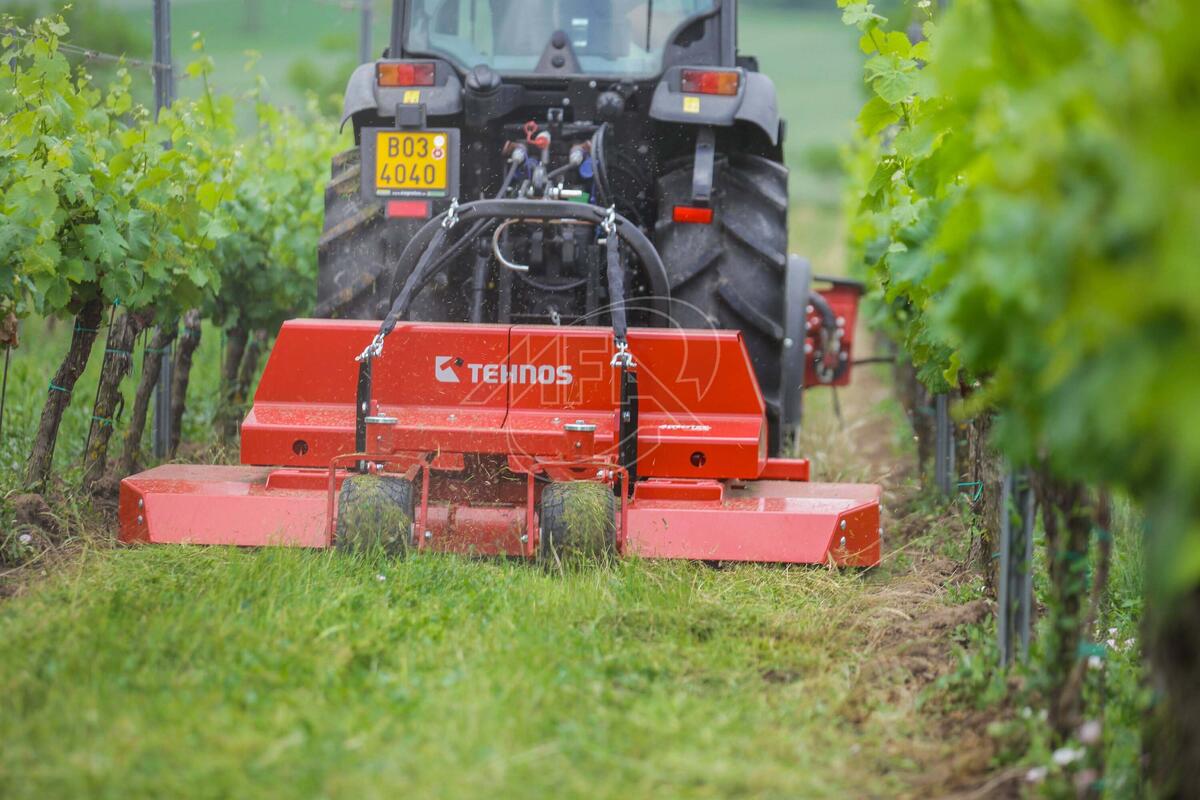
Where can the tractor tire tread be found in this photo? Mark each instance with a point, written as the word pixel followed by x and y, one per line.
pixel 731 274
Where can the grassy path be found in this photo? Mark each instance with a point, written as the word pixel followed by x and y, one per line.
pixel 158 672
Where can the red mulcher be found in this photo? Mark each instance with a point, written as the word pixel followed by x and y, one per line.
pixel 476 421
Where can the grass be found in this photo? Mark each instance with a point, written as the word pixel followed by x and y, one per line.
pixel 217 673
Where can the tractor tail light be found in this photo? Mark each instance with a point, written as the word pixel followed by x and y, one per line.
pixel 408 209
pixel 412 73
pixel 709 81
pixel 693 215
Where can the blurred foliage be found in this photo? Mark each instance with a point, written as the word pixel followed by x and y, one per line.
pixel 1027 207
pixel 326 85
pixel 1026 194
pixel 96 26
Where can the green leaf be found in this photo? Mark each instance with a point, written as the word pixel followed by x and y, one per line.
pixel 861 15
pixel 876 116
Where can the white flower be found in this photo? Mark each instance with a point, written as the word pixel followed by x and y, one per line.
pixel 1095 662
pixel 381 577
pixel 1111 644
pixel 1036 775
pixel 1089 732
pixel 925 4
pixel 1066 755
pixel 1112 631
pixel 24 538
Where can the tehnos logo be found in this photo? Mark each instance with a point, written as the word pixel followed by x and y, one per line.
pixel 448 369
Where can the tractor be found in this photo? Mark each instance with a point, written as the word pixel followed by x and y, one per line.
pixel 555 310
pixel 644 107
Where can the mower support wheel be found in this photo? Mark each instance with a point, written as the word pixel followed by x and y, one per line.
pixel 375 513
pixel 578 523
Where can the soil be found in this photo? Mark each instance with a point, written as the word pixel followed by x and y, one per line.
pixel 33 512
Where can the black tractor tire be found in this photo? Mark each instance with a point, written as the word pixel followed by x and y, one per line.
pixel 731 274
pixel 375 513
pixel 359 248
pixel 578 524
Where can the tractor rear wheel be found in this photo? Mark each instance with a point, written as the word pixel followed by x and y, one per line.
pixel 732 274
pixel 375 513
pixel 578 523
pixel 359 248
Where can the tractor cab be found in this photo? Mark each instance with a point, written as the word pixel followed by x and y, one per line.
pixel 618 38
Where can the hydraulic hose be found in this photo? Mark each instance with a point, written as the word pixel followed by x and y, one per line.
pixel 616 287
pixel 420 252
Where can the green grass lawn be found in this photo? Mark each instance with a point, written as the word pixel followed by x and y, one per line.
pixel 170 672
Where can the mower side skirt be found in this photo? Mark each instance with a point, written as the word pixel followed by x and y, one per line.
pixel 778 521
pixel 195 504
pixel 764 521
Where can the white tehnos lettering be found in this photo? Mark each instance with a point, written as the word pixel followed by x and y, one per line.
pixel 522 374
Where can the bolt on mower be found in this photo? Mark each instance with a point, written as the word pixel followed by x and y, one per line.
pixel 555 310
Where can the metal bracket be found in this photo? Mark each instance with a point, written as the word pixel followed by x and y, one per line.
pixel 702 171
pixel 410 115
pixel 628 427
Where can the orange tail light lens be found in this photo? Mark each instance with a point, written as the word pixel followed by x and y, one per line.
pixel 418 73
pixel 709 81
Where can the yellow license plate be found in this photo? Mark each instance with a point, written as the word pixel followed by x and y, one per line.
pixel 412 160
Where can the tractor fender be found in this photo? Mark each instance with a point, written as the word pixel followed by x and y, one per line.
pixel 362 93
pixel 756 102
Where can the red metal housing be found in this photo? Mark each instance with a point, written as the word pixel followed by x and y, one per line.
pixel 480 411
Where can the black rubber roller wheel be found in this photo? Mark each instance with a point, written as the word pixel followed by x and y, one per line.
pixel 359 248
pixel 732 274
pixel 578 523
pixel 375 513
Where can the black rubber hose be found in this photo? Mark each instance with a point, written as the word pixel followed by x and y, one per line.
pixel 425 242
pixel 616 289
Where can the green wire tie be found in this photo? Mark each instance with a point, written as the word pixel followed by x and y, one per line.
pixel 56 388
pixel 81 329
pixel 978 489
pixel 102 420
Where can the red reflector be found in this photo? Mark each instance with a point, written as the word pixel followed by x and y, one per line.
pixel 411 209
pixel 706 81
pixel 691 214
pixel 419 73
